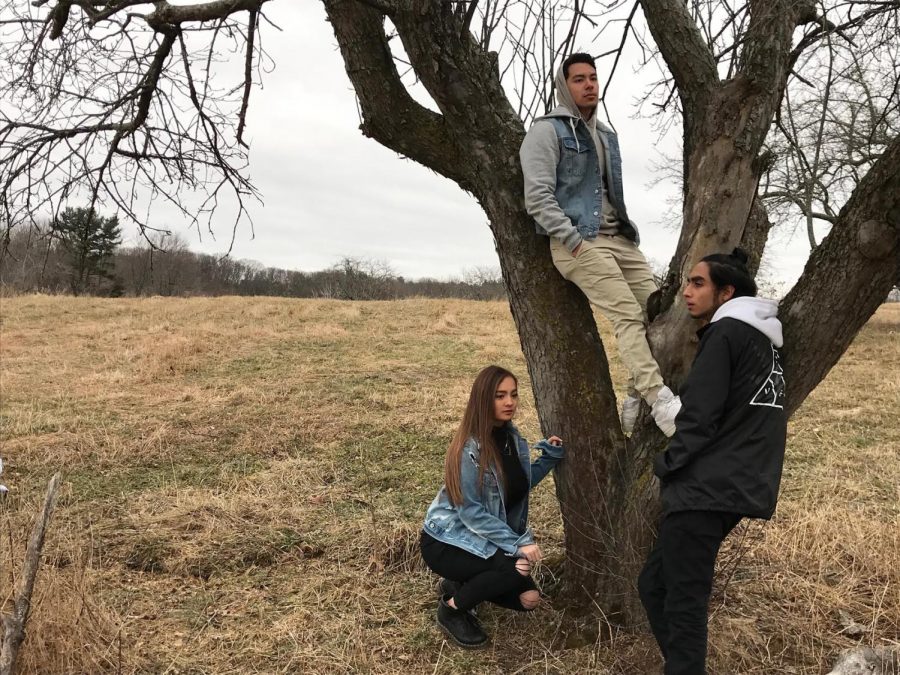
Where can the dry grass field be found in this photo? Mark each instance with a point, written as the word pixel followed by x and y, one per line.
pixel 245 479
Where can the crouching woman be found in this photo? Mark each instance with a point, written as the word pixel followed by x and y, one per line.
pixel 476 535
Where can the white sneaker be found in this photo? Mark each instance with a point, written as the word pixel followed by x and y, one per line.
pixel 665 409
pixel 630 408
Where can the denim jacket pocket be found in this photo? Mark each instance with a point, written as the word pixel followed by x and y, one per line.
pixel 434 527
pixel 575 156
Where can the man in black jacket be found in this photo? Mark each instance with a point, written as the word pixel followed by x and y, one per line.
pixel 724 461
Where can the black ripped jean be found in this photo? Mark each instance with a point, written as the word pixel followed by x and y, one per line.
pixel 676 582
pixel 494 579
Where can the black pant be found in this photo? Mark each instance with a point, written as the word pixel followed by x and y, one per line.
pixel 676 582
pixel 494 579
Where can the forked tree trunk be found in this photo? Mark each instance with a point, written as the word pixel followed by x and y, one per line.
pixel 607 494
pixel 475 142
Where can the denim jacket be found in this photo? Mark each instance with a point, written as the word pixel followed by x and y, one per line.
pixel 561 169
pixel 481 525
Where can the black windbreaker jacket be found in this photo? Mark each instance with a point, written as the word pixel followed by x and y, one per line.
pixel 728 450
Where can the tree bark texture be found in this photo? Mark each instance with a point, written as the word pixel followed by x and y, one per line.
pixel 607 494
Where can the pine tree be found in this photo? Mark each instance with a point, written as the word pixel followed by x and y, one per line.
pixel 89 241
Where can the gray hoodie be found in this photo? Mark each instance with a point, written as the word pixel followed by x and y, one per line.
pixel 540 156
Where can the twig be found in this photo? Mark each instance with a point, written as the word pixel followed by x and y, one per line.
pixel 248 77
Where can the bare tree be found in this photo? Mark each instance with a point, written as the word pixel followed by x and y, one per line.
pixel 833 125
pixel 360 279
pixel 484 283
pixel 106 100
pixel 21 257
pixel 727 66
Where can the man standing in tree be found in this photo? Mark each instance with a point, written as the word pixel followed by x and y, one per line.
pixel 725 460
pixel 573 190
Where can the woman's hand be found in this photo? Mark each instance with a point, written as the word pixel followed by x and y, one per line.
pixel 555 440
pixel 531 553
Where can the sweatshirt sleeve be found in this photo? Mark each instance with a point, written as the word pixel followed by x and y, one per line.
pixel 539 155
pixel 703 397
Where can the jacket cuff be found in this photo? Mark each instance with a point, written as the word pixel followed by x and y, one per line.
pixel 525 540
pixel 572 241
pixel 547 448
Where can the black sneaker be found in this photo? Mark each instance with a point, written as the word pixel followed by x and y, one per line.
pixel 460 626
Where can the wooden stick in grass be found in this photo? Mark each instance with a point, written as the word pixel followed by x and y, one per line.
pixel 14 624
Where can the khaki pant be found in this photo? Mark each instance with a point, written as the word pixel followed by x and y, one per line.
pixel 616 278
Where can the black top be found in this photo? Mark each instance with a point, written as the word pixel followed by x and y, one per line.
pixel 728 450
pixel 516 483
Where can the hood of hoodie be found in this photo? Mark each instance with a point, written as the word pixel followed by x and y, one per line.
pixel 757 312
pixel 566 108
pixel 564 96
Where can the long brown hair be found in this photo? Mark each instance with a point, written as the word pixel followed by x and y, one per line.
pixel 478 423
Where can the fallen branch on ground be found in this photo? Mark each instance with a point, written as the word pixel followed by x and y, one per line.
pixel 14 624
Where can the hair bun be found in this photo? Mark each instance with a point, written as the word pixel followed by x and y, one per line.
pixel 740 255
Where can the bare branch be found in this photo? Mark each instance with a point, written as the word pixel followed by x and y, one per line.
pixel 168 14
pixel 854 266
pixel 248 76
pixel 62 136
pixel 416 132
pixel 682 46
pixel 618 52
pixel 825 27
pixel 470 13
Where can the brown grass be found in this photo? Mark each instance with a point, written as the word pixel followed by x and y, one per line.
pixel 245 480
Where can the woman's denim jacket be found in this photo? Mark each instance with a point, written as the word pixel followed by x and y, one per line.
pixel 481 525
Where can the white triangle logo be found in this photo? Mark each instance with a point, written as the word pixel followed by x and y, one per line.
pixel 771 393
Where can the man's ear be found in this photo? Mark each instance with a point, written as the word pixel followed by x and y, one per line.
pixel 726 293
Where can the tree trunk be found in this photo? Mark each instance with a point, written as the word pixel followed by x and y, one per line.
pixel 607 493
pixel 725 126
pixel 476 142
pixel 566 359
pixel 574 396
pixel 720 211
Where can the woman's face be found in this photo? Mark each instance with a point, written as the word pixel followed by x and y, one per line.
pixel 506 400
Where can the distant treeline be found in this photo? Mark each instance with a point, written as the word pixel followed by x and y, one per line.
pixel 80 253
pixel 53 260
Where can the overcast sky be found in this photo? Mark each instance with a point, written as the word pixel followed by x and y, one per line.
pixel 329 192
